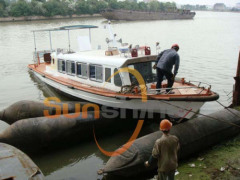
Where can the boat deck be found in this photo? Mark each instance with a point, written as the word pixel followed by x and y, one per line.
pixel 186 91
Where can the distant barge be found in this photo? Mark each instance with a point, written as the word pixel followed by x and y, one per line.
pixel 130 15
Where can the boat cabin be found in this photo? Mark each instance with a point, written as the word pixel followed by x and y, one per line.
pixel 98 67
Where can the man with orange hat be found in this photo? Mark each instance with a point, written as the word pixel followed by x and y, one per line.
pixel 165 152
pixel 164 65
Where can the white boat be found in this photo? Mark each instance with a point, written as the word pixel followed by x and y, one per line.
pixel 100 76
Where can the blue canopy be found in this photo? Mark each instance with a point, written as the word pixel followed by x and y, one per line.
pixel 64 28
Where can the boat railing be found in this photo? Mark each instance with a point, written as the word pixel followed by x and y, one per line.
pixel 38 56
pixel 200 83
pixel 179 88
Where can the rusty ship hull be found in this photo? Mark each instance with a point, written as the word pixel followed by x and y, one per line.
pixel 130 15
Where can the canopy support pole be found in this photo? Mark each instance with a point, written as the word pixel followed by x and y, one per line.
pixel 69 41
pixel 35 45
pixel 35 42
pixel 90 35
pixel 50 38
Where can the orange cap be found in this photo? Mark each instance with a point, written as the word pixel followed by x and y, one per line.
pixel 165 125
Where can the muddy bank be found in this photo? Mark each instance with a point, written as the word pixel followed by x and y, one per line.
pixel 37 18
pixel 220 162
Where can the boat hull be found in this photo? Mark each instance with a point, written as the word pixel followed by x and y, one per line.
pixel 129 15
pixel 176 109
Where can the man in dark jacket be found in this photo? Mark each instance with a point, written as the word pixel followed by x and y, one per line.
pixel 164 65
pixel 165 152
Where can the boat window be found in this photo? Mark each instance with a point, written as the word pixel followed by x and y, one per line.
pixel 131 66
pixel 154 71
pixel 92 72
pixel 145 69
pixel 61 65
pixel 108 75
pixel 82 70
pixel 73 68
pixel 117 78
pixel 95 72
pixel 79 69
pixel 70 67
pixel 99 73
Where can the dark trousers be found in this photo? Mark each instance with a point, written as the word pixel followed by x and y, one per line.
pixel 169 76
pixel 166 175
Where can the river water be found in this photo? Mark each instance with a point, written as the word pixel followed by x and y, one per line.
pixel 209 47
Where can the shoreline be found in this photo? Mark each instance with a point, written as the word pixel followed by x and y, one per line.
pixel 38 18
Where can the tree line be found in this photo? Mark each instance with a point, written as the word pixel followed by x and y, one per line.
pixel 69 7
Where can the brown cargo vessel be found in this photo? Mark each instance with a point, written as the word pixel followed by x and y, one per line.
pixel 130 15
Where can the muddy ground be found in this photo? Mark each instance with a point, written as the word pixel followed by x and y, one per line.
pixel 220 162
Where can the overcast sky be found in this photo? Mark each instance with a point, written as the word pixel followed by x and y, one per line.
pixel 206 2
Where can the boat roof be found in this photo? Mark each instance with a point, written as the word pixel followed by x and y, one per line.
pixel 99 57
pixel 64 28
pixel 94 57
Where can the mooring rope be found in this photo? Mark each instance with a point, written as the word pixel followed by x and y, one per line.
pixel 233 124
pixel 227 109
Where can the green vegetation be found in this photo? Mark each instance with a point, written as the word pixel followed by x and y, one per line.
pixel 237 108
pixel 69 7
pixel 220 162
pixel 3 6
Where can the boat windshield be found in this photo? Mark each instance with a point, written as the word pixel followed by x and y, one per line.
pixel 145 69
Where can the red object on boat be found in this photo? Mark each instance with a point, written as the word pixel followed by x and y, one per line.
pixel 208 90
pixel 136 90
pixel 147 50
pixel 183 80
pixel 153 86
pixel 134 53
